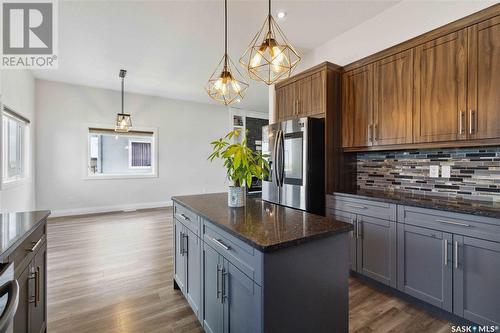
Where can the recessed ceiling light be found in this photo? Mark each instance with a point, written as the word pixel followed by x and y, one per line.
pixel 281 14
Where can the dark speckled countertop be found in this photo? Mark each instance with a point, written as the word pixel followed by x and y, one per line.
pixel 456 205
pixel 263 225
pixel 16 227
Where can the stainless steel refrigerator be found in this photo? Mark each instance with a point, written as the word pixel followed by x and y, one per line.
pixel 296 154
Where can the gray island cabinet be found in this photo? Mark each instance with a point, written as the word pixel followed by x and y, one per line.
pixel 261 268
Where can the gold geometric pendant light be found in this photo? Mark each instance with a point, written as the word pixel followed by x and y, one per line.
pixel 270 57
pixel 226 84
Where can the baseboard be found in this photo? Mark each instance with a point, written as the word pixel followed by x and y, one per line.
pixel 108 209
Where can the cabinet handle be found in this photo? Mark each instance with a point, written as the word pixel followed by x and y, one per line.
pixel 35 246
pixel 223 292
pixel 37 286
pixel 355 230
pixel 369 133
pixel 375 132
pixel 218 281
pixel 185 245
pixel 184 217
pixel 472 121
pixel 456 254
pixel 445 241
pixel 181 243
pixel 360 228
pixel 32 276
pixel 462 120
pixel 355 206
pixel 218 242
pixel 454 223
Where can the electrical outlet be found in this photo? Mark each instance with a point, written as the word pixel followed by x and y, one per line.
pixel 446 171
pixel 434 171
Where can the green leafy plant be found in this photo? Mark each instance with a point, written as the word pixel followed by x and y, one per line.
pixel 240 161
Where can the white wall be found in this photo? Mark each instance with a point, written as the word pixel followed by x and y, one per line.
pixel 18 93
pixel 398 23
pixel 185 130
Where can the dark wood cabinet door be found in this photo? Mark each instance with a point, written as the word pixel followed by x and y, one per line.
pixel 483 114
pixel 440 89
pixel 38 308
pixel 318 94
pixel 22 317
pixel 304 97
pixel 393 100
pixel 476 275
pixel 357 101
pixel 425 265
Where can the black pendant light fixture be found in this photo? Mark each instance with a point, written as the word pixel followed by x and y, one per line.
pixel 226 84
pixel 270 57
pixel 123 120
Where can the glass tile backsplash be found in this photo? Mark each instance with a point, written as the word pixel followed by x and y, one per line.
pixel 475 172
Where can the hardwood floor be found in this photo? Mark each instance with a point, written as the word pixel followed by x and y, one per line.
pixel 113 273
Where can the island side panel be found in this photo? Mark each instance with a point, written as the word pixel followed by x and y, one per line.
pixel 306 287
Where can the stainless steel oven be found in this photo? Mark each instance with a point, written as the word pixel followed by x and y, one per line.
pixel 295 150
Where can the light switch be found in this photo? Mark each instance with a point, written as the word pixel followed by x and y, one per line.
pixel 446 171
pixel 434 171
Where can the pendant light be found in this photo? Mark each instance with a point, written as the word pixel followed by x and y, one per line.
pixel 123 120
pixel 270 57
pixel 226 84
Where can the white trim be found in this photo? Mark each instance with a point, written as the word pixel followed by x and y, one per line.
pixel 108 209
pixel 123 176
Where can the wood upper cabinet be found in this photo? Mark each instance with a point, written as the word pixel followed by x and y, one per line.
pixel 304 97
pixel 357 110
pixel 483 114
pixel 393 99
pixel 318 93
pixel 440 89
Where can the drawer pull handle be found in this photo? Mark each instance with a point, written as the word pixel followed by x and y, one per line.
pixel 37 244
pixel 456 254
pixel 184 217
pixel 355 206
pixel 218 242
pixel 445 241
pixel 454 223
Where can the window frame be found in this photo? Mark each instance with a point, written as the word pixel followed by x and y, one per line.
pixel 154 154
pixel 25 174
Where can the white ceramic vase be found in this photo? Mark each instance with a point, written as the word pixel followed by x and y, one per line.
pixel 236 196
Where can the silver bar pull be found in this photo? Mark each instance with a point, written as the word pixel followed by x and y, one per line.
pixel 360 228
pixel 36 245
pixel 472 121
pixel 445 242
pixel 185 245
pixel 369 132
pixel 354 231
pixel 456 254
pixel 218 242
pixel 355 206
pixel 217 281
pixel 375 132
pixel 181 243
pixel 223 278
pixel 184 217
pixel 462 121
pixel 454 223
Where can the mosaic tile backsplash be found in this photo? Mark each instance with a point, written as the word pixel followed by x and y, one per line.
pixel 475 172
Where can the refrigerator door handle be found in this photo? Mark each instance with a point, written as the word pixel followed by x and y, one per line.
pixel 282 155
pixel 275 157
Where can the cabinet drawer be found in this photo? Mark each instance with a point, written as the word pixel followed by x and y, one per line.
pixel 187 218
pixel 240 254
pixel 456 223
pixel 23 251
pixel 371 208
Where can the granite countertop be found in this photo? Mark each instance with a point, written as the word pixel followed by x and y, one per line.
pixel 263 225
pixel 16 227
pixel 456 205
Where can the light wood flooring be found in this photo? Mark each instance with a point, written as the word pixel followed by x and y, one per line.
pixel 113 273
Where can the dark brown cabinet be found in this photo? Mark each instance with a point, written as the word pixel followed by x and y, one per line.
pixel 440 89
pixel 483 114
pixel 393 100
pixel 357 107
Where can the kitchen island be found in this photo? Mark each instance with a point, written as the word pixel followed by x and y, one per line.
pixel 260 268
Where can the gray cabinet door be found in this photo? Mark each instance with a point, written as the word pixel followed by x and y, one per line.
pixel 376 249
pixel 347 218
pixel 179 258
pixel 193 271
pixel 425 265
pixel 242 302
pixel 476 280
pixel 213 310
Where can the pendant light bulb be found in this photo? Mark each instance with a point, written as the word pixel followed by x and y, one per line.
pixel 270 57
pixel 229 86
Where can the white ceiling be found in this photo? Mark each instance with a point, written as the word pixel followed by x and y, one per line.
pixel 170 48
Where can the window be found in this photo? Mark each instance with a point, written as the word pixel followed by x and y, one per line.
pixel 14 131
pixel 116 155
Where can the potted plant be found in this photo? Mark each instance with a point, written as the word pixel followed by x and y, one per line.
pixel 241 163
